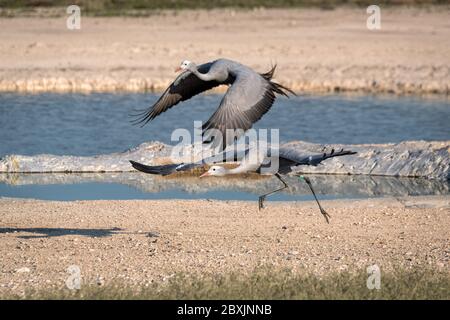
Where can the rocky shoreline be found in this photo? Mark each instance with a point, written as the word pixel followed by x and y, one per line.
pixel 406 159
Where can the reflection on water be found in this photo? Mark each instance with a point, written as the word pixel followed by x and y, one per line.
pixel 59 186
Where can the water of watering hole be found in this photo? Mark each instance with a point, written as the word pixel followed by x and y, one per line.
pixel 91 124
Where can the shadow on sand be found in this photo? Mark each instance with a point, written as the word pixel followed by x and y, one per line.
pixel 58 232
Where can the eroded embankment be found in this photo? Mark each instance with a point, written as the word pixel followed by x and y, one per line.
pixel 315 50
pixel 420 80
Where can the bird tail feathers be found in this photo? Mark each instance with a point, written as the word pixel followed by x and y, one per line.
pixel 280 89
pixel 276 87
pixel 160 170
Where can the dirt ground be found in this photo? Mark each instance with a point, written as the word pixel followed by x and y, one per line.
pixel 316 50
pixel 138 242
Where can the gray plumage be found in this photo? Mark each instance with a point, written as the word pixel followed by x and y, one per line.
pixel 248 98
pixel 287 158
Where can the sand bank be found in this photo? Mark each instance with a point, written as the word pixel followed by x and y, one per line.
pixel 316 50
pixel 138 242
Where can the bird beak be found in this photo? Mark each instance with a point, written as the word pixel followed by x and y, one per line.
pixel 178 69
pixel 205 174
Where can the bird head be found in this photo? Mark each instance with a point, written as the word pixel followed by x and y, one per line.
pixel 185 65
pixel 215 171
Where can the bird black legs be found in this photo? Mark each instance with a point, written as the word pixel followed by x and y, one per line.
pixel 322 210
pixel 308 182
pixel 263 197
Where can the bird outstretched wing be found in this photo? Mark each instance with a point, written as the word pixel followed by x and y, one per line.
pixel 310 159
pixel 314 160
pixel 231 155
pixel 249 97
pixel 185 86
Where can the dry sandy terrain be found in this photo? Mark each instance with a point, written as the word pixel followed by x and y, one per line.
pixel 316 50
pixel 143 241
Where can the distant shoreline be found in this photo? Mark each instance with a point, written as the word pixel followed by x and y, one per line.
pixel 137 8
pixel 89 82
pixel 316 51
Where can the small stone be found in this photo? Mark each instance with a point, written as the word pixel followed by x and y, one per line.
pixel 100 281
pixel 153 234
pixel 23 270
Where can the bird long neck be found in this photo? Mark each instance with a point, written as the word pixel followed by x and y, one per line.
pixel 202 76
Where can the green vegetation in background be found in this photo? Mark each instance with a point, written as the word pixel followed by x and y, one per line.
pixel 118 7
pixel 269 283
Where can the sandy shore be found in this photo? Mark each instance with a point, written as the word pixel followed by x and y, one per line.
pixel 316 50
pixel 142 241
